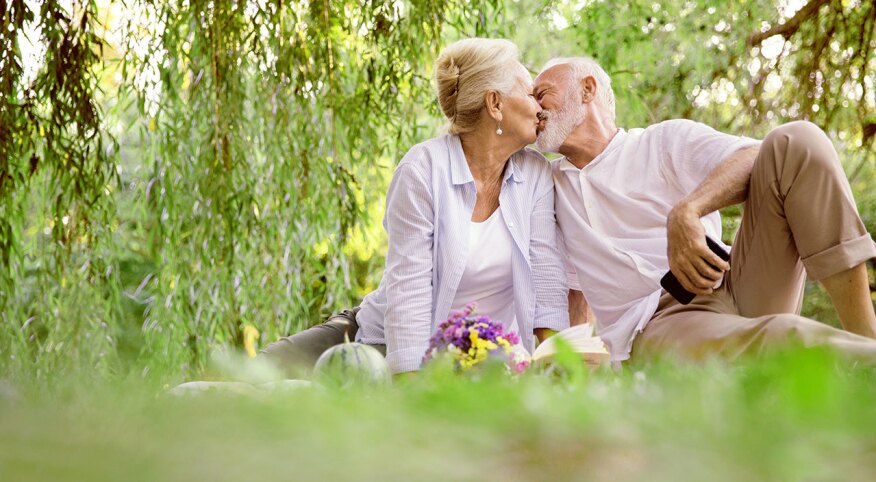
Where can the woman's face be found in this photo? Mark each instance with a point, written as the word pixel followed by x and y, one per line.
pixel 520 110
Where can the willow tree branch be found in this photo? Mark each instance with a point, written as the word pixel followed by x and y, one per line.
pixel 788 28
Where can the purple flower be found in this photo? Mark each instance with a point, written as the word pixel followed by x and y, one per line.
pixel 490 337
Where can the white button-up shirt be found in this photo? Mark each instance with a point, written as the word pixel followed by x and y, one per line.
pixel 612 216
pixel 428 213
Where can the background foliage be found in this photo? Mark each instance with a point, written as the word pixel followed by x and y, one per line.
pixel 173 171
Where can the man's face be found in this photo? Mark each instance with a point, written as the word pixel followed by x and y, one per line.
pixel 562 110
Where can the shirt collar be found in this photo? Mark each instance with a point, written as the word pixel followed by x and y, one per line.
pixel 461 174
pixel 615 141
pixel 512 173
pixel 565 165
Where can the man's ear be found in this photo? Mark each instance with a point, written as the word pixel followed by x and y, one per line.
pixel 493 104
pixel 588 89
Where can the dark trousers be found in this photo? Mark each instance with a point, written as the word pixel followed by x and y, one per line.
pixel 297 354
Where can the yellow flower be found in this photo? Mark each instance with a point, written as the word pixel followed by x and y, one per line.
pixel 250 336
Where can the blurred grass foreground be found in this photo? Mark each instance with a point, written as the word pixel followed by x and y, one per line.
pixel 796 416
pixel 181 178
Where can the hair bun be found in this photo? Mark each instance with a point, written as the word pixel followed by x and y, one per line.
pixel 447 80
pixel 486 64
pixel 454 70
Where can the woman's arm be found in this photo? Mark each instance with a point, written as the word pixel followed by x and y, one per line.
pixel 579 314
pixel 408 273
pixel 548 270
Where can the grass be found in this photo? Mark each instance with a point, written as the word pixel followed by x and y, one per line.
pixel 791 416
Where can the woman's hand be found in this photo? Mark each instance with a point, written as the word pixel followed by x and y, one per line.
pixel 543 334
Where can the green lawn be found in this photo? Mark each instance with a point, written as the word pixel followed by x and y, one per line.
pixel 794 416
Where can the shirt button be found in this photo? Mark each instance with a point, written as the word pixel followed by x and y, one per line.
pixel 510 225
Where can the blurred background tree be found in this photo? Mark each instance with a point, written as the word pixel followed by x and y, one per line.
pixel 172 171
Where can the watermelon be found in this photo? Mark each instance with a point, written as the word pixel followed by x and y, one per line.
pixel 351 364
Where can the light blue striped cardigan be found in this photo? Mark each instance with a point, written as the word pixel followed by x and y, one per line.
pixel 428 211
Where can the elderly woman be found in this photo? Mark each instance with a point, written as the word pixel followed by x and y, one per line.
pixel 469 218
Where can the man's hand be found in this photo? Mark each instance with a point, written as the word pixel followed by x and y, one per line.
pixel 697 268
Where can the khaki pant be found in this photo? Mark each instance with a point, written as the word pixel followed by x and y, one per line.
pixel 799 218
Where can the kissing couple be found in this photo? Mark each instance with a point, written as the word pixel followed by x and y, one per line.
pixel 477 216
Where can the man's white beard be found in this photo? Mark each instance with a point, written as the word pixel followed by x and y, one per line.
pixel 559 124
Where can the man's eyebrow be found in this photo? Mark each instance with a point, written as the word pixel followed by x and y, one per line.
pixel 544 85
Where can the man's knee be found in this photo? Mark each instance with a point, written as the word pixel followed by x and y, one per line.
pixel 801 129
pixel 802 142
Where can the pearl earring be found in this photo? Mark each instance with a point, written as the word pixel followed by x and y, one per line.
pixel 498 129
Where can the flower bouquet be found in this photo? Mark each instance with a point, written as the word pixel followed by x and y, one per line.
pixel 470 340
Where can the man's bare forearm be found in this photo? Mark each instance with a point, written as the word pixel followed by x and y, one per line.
pixel 697 268
pixel 579 310
pixel 725 186
pixel 579 313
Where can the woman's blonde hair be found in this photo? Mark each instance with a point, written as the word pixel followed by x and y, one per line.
pixel 464 72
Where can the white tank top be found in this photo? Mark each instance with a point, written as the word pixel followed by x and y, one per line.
pixel 487 279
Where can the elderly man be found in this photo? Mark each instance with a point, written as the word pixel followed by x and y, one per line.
pixel 632 204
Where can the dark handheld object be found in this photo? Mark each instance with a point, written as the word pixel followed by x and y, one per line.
pixel 670 283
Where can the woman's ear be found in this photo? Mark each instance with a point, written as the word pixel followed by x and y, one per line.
pixel 588 89
pixel 493 104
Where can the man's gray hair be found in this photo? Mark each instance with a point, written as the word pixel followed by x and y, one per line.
pixel 582 67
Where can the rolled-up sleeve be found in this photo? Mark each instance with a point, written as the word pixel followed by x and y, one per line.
pixel 408 274
pixel 548 268
pixel 692 150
